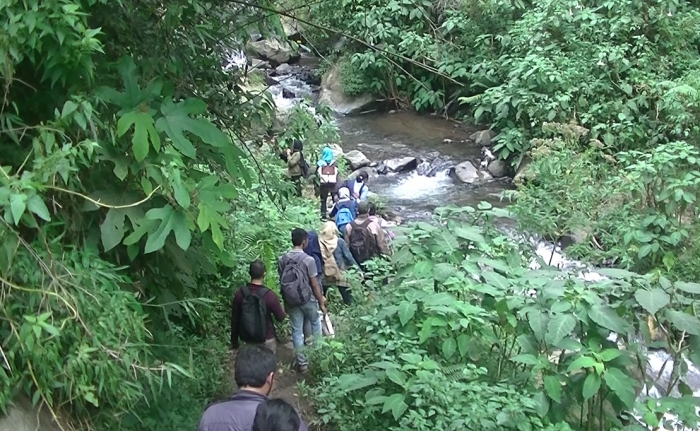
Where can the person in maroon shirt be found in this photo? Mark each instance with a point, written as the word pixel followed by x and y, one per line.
pixel 274 308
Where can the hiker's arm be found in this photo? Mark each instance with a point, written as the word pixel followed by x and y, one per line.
pixel 381 241
pixel 334 211
pixel 348 230
pixel 316 289
pixel 347 256
pixel 294 159
pixel 273 304
pixel 363 192
pixel 235 306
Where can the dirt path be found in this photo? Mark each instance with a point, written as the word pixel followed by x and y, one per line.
pixel 285 384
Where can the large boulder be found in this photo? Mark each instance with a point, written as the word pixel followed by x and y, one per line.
pixel 337 150
pixel 524 173
pixel 23 417
pixel 332 95
pixel 292 28
pixel 357 159
pixel 483 137
pixel 401 164
pixel 466 172
pixel 272 50
pixel 498 168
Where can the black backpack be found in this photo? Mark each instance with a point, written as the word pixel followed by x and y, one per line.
pixel 362 242
pixel 253 319
pixel 294 281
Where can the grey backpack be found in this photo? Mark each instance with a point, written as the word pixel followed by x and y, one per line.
pixel 294 282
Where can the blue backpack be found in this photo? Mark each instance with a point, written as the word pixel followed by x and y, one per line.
pixel 342 218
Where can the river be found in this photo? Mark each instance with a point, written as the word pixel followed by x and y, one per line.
pixel 414 196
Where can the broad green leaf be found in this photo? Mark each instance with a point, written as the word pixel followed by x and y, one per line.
pixel 463 344
pixel 170 221
pixel 553 388
pixel 527 343
pixel 606 317
pixel 68 108
pixel 36 205
pixel 396 376
pixel 608 355
pixel 559 326
pixel 525 358
pixel 18 204
pixel 143 130
pixel 442 271
pixel 591 385
pixel 182 196
pixel 581 362
pixel 652 300
pixel 177 119
pixel 616 273
pixel 541 404
pixel 396 404
pixel 688 287
pixel 406 311
pixel 683 321
pixel 621 384
pixel 538 321
pixel 496 280
pixel 353 382
pixel 112 228
pixel 449 346
pixel 470 233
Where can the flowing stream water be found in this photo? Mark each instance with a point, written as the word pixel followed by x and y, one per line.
pixel 414 196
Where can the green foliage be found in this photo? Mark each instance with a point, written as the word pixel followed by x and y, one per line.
pixel 466 336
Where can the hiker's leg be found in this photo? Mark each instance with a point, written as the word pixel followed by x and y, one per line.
pixel 297 183
pixel 313 313
pixel 307 330
pixel 296 320
pixel 325 191
pixel 346 294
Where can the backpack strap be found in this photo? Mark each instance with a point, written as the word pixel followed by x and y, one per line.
pixel 245 290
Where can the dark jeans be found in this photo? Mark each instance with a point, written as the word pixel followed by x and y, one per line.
pixel 325 191
pixel 345 293
pixel 297 184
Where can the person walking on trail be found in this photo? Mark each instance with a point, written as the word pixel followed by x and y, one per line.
pixel 301 292
pixel 276 415
pixel 345 210
pixel 365 237
pixel 358 186
pixel 328 177
pixel 254 373
pixel 389 235
pixel 252 310
pixel 314 250
pixel 296 164
pixel 337 259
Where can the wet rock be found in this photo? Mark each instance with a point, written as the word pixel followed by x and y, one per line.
pixel 292 28
pixel 23 417
pixel 283 69
pixel 357 159
pixel 401 164
pixel 272 50
pixel 498 168
pixel 524 173
pixel 466 173
pixel 483 137
pixel 382 169
pixel 288 94
pixel 270 81
pixel 371 173
pixel 337 150
pixel 259 64
pixel 423 168
pixel 333 96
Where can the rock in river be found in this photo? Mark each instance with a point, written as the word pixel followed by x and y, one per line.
pixel 467 173
pixel 498 168
pixel 483 137
pixel 357 159
pixel 272 50
pixel 401 164
pixel 333 96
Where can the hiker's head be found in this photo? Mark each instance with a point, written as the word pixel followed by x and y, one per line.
pixel 362 177
pixel 255 368
pixel 299 237
pixel 276 415
pixel 344 193
pixel 327 155
pixel 297 146
pixel 363 208
pixel 372 209
pixel 256 270
pixel 328 231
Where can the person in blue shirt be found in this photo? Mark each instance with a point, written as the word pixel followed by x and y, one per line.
pixel 358 186
pixel 345 210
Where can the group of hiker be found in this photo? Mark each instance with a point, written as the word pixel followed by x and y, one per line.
pixel 350 235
